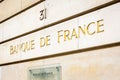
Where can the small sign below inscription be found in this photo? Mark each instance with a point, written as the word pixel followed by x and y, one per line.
pixel 49 73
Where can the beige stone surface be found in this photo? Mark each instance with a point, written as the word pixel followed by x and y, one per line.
pixel 54 32
pixel 29 19
pixel 100 64
pixel 10 7
pixel 27 3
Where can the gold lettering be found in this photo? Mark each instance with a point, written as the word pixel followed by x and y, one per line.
pixel 66 35
pixel 81 29
pixel 74 34
pixel 63 35
pixel 42 41
pixel 47 40
pixel 23 47
pixel 17 48
pixel 59 35
pixel 99 24
pixel 32 44
pixel 87 28
pixel 11 50
pixel 26 46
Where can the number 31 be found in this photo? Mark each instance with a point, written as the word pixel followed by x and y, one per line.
pixel 43 14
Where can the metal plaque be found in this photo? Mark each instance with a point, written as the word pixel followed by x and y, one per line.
pixel 49 73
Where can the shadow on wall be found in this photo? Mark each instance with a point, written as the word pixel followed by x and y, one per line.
pixel 1 1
